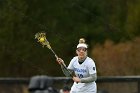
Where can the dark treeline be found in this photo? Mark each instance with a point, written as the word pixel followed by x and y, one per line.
pixel 64 22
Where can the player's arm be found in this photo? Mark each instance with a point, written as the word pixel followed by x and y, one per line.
pixel 66 71
pixel 91 78
pixel 92 74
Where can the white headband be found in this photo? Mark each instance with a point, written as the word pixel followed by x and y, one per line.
pixel 82 45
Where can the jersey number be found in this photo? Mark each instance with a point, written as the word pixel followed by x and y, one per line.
pixel 80 76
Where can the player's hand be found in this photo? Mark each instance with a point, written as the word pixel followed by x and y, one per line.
pixel 60 61
pixel 76 79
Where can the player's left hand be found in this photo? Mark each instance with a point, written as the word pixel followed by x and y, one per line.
pixel 76 79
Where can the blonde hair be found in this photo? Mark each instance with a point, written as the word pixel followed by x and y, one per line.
pixel 82 43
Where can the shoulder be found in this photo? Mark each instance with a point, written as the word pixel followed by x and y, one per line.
pixel 90 61
pixel 74 58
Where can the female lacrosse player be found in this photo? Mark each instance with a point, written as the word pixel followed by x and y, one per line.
pixel 84 69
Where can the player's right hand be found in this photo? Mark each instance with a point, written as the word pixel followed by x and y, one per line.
pixel 76 79
pixel 60 61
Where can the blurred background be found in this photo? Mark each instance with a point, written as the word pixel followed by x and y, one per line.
pixel 111 29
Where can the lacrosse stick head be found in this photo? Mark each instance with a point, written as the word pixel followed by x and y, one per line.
pixel 41 37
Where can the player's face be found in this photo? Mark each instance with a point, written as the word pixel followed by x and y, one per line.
pixel 81 52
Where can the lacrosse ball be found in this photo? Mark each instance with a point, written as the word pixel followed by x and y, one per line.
pixel 41 39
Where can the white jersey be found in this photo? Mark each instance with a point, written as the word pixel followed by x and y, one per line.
pixel 82 71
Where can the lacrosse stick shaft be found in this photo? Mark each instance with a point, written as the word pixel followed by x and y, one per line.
pixel 62 63
pixel 54 53
pixel 42 39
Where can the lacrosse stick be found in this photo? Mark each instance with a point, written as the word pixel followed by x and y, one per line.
pixel 41 37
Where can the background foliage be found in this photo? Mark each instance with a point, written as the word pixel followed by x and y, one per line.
pixel 65 21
